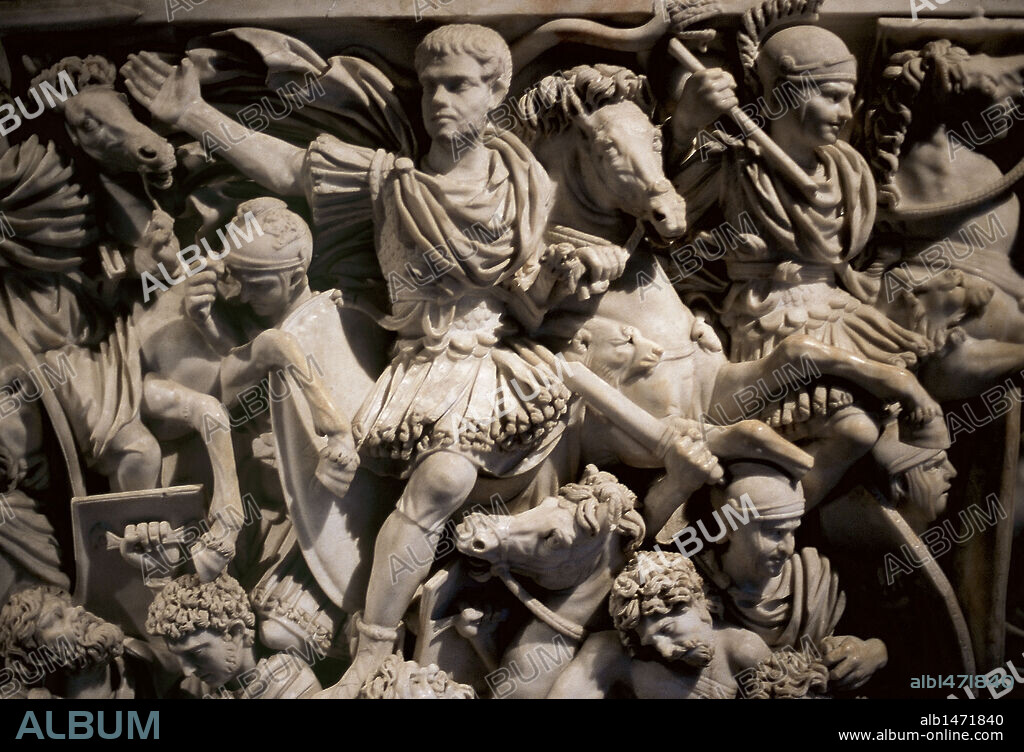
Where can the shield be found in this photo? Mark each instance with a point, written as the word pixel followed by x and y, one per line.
pixel 335 527
pixel 107 585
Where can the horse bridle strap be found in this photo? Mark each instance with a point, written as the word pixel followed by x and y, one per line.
pixel 558 623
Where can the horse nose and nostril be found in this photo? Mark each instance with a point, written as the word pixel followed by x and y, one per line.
pixel 474 537
pixel 153 153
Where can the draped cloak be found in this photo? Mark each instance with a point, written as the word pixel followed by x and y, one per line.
pixel 790 263
pixel 456 258
pixel 47 298
pixel 803 601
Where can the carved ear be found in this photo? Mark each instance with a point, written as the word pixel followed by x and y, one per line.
pixel 238 627
pixel 498 93
pixel 580 342
pixel 899 487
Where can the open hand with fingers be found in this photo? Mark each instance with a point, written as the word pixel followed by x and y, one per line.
pixel 166 90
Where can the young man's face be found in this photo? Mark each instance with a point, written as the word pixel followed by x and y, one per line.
pixel 212 656
pixel 268 294
pixel 825 112
pixel 456 98
pixel 684 635
pixel 759 549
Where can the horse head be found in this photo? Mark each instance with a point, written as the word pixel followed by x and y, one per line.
pixel 562 541
pixel 99 121
pixel 616 164
pixel 625 167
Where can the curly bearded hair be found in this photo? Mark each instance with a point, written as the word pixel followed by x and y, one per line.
pixel 393 679
pixel 93 642
pixel 187 605
pixel 653 582
pixel 789 674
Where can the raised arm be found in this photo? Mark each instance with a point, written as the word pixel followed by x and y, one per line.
pixel 172 94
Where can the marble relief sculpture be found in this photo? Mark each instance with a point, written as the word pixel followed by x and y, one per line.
pixel 568 359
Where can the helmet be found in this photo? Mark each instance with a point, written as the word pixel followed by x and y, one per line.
pixel 808 52
pixel 282 238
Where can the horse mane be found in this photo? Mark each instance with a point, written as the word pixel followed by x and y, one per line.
pixel 597 487
pixel 934 69
pixel 92 70
pixel 552 105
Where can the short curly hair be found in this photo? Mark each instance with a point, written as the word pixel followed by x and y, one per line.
pixel 484 45
pixel 187 605
pixel 395 675
pixel 288 233
pixel 652 582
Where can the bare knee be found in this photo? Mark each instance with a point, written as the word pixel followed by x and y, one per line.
pixel 443 476
pixel 134 458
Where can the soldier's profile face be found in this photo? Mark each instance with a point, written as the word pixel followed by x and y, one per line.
pixel 268 294
pixel 456 96
pixel 759 549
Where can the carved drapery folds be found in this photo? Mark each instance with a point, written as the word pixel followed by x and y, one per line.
pixel 528 357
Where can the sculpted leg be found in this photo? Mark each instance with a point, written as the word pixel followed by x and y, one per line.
pixel 402 557
pixel 132 462
pixel 169 401
pixel 272 350
pixel 799 356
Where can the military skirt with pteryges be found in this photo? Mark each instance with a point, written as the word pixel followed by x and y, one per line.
pixel 761 313
pixel 461 390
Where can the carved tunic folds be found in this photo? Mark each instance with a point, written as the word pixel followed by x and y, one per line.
pixel 450 254
pixel 794 276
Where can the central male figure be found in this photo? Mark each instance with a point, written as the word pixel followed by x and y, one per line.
pixel 458 240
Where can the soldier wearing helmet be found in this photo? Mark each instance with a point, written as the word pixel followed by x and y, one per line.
pixel 793 271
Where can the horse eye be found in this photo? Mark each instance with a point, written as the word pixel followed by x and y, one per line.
pixel 554 538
